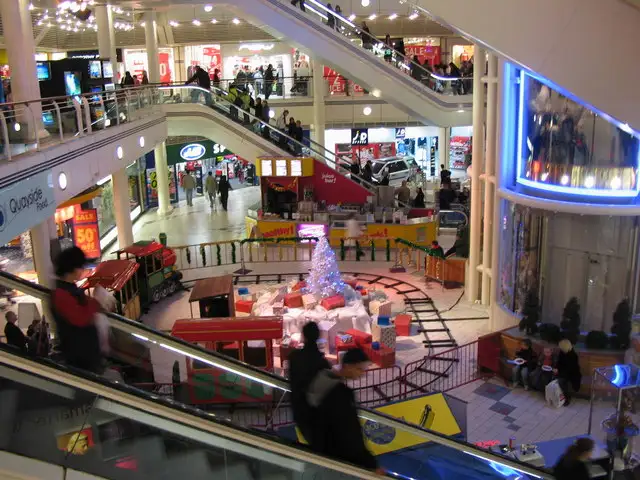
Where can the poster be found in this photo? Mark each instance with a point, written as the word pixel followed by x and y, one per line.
pixel 364 152
pixel 208 57
pixel 152 186
pixel 338 84
pixel 135 61
pixel 86 234
pixel 424 52
pixel 459 149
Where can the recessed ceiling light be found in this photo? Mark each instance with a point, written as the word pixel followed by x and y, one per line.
pixel 62 180
pixel 372 16
pixel 213 20
pixel 365 3
pixel 236 21
pixel 208 8
pixel 173 23
pixel 352 17
pixel 141 141
pixel 119 152
pixel 413 16
pixel 142 24
pixel 461 110
pixel 196 22
pixel 366 110
pixel 393 16
pixel 376 92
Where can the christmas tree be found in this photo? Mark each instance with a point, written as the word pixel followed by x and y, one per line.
pixel 324 278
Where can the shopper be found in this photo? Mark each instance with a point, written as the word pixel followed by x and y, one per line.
pixel 354 231
pixel 211 187
pixel 282 124
pixel 189 185
pixel 365 36
pixel 403 193
pixel 224 188
pixel 568 370
pixel 385 179
pixel 269 78
pixel 418 202
pixel 336 429
pixel 74 314
pixel 216 78
pixel 355 170
pixel 145 78
pixel 573 463
pixel 339 14
pixel 128 80
pixel 521 372
pixel 445 175
pixel 304 365
pixel 295 2
pixel 446 196
pixel 13 333
pixel 436 249
pixel 331 20
pixel 388 48
pixel 367 173
pixel 232 97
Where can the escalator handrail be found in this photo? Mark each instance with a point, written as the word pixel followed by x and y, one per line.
pixel 169 410
pixel 266 378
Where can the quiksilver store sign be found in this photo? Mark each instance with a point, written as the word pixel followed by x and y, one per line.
pixel 25 204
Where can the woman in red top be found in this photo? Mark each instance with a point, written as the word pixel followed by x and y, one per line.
pixel 74 314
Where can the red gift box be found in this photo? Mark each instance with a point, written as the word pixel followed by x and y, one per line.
pixel 361 338
pixel 244 306
pixel 299 286
pixel 403 325
pixel 293 300
pixel 342 346
pixel 335 301
pixel 383 357
pixel 364 292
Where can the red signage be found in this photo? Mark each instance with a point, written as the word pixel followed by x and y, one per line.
pixel 332 187
pixel 338 84
pixel 424 52
pixel 86 234
pixel 165 68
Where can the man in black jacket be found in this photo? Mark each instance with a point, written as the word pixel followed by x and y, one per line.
pixel 13 333
pixel 204 81
pixel 336 427
pixel 304 365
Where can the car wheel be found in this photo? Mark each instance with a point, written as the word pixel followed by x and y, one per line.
pixel 156 294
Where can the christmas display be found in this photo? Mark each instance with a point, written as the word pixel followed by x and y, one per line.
pixel 324 278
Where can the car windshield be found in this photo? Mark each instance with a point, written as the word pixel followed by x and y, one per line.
pixel 377 167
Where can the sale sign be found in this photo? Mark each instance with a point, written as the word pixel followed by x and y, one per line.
pixel 86 235
pixel 424 52
pixel 338 84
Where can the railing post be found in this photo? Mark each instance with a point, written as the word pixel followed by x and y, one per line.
pixel 58 119
pixel 5 135
pixel 243 268
pixel 76 105
pixel 87 114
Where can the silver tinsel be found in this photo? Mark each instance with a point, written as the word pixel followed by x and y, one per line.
pixel 324 277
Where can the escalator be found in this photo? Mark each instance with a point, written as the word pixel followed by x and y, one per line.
pixel 568 43
pixel 430 98
pixel 132 427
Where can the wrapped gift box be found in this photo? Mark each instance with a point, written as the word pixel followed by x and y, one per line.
pixel 328 332
pixel 293 300
pixel 383 356
pixel 299 286
pixel 278 308
pixel 336 301
pixel 403 325
pixel 377 307
pixel 309 301
pixel 244 306
pixel 384 334
pixel 361 338
pixel 243 291
pixel 344 343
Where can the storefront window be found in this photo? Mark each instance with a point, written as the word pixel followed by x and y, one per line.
pixel 563 146
pixel 460 147
pixel 135 61
pixel 208 57
pixel 104 205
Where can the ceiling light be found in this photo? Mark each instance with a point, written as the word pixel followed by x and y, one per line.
pixel 208 8
pixel 393 16
pixel 142 24
pixel 272 113
pixel 236 21
pixel 119 152
pixel 564 180
pixel 196 22
pixel 372 16
pixel 616 183
pixel 31 7
pixel 16 127
pixel 173 24
pixel 376 92
pixel 590 182
pixel 461 110
pixel 413 16
pixel 214 21
pixel 141 141
pixel 366 110
pixel 365 3
pixel 352 17
pixel 62 180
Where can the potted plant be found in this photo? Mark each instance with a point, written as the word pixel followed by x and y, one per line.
pixel 530 313
pixel 621 328
pixel 571 320
pixel 597 340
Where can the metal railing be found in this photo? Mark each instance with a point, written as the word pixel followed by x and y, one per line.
pixel 167 409
pixel 41 123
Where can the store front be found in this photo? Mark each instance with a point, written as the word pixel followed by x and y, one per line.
pixel 460 146
pixel 209 57
pixel 135 61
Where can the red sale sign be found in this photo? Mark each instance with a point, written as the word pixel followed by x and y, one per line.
pixel 424 52
pixel 165 68
pixel 86 235
pixel 338 84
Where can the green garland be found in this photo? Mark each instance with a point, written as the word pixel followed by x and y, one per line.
pixel 415 246
pixel 218 255
pixel 233 252
pixel 203 255
pixel 373 251
pixel 359 251
pixel 278 240
pixel 342 250
pixel 388 250
pixel 188 255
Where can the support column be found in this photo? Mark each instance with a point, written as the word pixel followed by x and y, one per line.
pixel 489 183
pixel 444 153
pixel 151 43
pixel 162 177
pixel 121 207
pixel 476 169
pixel 106 36
pixel 318 102
pixel 42 237
pixel 21 50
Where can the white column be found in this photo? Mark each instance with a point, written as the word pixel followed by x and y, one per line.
pixel 106 35
pixel 21 50
pixel 476 170
pixel 121 207
pixel 489 184
pixel 162 177
pixel 41 237
pixel 318 102
pixel 444 154
pixel 151 42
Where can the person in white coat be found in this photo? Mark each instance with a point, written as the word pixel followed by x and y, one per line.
pixel 189 185
pixel 353 231
pixel 211 188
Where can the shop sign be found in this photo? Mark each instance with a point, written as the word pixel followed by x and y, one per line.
pixel 329 178
pixel 279 230
pixel 65 213
pixel 359 136
pixel 86 235
pixel 193 151
pixel 256 47
pixel 401 133
pixel 25 204
pixel 306 230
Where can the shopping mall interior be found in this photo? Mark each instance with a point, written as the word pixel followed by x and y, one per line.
pixel 210 210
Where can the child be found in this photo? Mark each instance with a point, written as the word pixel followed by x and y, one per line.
pixel 541 377
pixel 521 372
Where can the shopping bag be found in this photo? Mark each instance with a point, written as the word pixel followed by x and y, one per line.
pixel 553 395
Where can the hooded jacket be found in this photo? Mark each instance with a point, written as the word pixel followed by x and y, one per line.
pixel 336 427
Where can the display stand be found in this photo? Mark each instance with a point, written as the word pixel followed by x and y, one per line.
pixel 614 414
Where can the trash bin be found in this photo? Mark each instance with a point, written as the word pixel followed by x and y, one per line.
pixel 163 238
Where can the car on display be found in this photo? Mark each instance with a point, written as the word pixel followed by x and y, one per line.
pixel 399 169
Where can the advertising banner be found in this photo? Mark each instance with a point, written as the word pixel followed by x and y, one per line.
pixel 25 204
pixel 86 234
pixel 424 52
pixel 338 84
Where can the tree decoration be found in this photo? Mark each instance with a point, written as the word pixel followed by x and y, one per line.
pixel 621 328
pixel 324 277
pixel 571 320
pixel 359 251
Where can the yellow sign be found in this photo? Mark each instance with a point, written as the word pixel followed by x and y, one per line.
pixel 270 229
